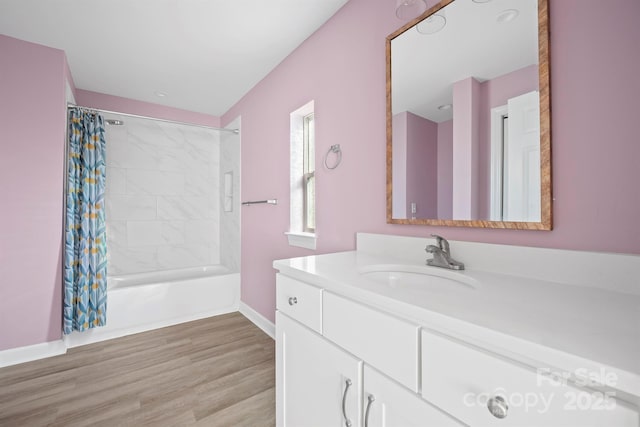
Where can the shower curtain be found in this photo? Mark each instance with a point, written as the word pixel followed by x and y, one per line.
pixel 85 257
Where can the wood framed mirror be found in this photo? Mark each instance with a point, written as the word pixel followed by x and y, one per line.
pixel 468 116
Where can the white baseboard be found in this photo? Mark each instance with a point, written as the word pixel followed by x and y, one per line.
pixel 258 319
pixel 15 356
pixel 77 339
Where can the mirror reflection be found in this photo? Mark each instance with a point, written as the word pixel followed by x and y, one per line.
pixel 465 114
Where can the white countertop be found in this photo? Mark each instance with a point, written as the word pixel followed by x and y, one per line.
pixel 568 328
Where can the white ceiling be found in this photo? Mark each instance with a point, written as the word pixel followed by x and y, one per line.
pixel 472 44
pixel 204 54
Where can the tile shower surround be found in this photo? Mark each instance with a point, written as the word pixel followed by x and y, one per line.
pixel 230 220
pixel 162 196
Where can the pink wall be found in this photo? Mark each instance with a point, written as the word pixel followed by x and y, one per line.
pixel 422 166
pixel 594 71
pixel 466 147
pixel 445 171
pixel 131 106
pixel 497 91
pixel 399 164
pixel 32 139
pixel 415 162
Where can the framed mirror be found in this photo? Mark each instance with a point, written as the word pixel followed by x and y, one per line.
pixel 468 116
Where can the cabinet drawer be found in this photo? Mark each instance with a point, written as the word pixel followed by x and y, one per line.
pixel 385 342
pixel 299 301
pixel 461 379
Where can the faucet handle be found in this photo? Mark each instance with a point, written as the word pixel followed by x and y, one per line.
pixel 442 243
pixel 432 249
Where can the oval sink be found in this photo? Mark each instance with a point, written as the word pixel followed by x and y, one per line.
pixel 417 277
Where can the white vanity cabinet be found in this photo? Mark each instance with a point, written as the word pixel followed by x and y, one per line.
pixel 386 342
pixel 318 384
pixel 466 381
pixel 388 404
pixel 321 384
pixel 343 360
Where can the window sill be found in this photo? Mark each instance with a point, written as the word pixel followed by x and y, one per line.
pixel 301 240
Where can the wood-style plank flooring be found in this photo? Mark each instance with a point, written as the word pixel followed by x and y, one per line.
pixel 218 371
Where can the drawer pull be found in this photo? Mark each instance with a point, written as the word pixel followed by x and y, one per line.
pixel 293 300
pixel 371 399
pixel 347 421
pixel 498 407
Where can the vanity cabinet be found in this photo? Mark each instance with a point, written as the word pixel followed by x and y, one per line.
pixel 321 384
pixel 388 404
pixel 386 342
pixel 339 359
pixel 316 380
pixel 465 380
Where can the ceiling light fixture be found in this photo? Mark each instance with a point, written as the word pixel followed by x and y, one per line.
pixel 445 107
pixel 160 94
pixel 409 9
pixel 432 24
pixel 507 15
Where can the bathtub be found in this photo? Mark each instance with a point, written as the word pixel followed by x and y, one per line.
pixel 144 301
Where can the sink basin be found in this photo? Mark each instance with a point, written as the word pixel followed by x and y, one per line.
pixel 417 277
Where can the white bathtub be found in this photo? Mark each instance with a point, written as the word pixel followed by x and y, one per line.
pixel 145 301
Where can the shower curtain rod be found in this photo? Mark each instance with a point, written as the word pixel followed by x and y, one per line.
pixel 71 105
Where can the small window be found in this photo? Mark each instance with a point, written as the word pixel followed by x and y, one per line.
pixel 302 226
pixel 309 175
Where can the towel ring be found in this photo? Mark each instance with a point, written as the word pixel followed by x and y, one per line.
pixel 333 149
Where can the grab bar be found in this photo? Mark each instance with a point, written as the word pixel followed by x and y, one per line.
pixel 257 202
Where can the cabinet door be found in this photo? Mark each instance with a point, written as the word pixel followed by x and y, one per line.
pixel 312 376
pixel 387 404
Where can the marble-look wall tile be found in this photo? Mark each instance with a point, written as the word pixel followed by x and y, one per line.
pixel 155 182
pixel 186 207
pixel 125 260
pixel 174 159
pixel 173 232
pixel 131 154
pixel 130 208
pixel 162 196
pixel 116 181
pixel 197 183
pixel 116 232
pixel 181 256
pixel 200 231
pixel 230 221
pixel 144 233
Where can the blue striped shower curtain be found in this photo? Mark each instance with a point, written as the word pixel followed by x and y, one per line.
pixel 85 257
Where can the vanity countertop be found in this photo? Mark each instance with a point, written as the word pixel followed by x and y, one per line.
pixel 569 328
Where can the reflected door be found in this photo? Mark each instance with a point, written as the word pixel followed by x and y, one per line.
pixel 521 171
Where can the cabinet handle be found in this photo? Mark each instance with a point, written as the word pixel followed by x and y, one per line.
pixel 498 406
pixel 293 300
pixel 371 399
pixel 347 421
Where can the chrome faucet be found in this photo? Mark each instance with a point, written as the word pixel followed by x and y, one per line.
pixel 442 255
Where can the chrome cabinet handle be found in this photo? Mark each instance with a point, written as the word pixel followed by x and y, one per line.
pixel 293 300
pixel 347 421
pixel 498 407
pixel 371 399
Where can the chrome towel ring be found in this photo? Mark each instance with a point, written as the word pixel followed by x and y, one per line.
pixel 338 151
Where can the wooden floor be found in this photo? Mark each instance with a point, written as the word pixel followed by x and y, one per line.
pixel 218 371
